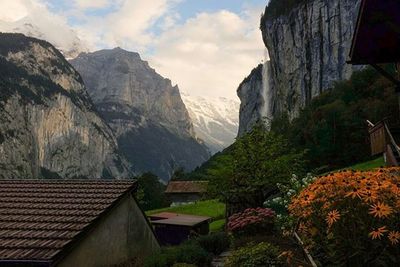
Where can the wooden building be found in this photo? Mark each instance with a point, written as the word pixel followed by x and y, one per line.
pixel 185 192
pixel 72 223
pixel 174 228
pixel 376 41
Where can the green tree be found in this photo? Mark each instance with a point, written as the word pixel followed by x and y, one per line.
pixel 151 192
pixel 249 174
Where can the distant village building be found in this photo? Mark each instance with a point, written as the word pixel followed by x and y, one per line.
pixel 72 223
pixel 173 228
pixel 185 192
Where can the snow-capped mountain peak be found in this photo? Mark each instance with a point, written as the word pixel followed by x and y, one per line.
pixel 216 120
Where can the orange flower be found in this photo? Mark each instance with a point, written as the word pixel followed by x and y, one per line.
pixel 378 233
pixel 333 216
pixel 394 237
pixel 354 193
pixel 369 196
pixel 380 210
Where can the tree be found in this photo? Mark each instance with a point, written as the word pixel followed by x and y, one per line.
pixel 258 161
pixel 151 192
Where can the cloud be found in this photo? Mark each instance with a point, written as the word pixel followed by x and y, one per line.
pixel 33 18
pixel 85 4
pixel 13 10
pixel 210 54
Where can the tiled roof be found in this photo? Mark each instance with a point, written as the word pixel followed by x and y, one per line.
pixel 186 187
pixel 40 218
pixel 168 218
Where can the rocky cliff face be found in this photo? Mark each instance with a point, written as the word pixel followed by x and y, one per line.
pixel 308 49
pixel 144 110
pixel 48 125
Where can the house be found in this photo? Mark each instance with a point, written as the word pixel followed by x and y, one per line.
pixel 72 223
pixel 185 192
pixel 173 228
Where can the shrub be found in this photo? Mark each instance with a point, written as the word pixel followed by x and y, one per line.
pixel 352 217
pixel 190 253
pixel 260 255
pixel 214 243
pixel 281 204
pixel 251 221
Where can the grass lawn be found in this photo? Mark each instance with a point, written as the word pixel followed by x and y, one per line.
pixel 217 226
pixel 373 164
pixel 210 208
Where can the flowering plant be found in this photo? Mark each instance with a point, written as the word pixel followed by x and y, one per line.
pixel 353 217
pixel 281 203
pixel 252 220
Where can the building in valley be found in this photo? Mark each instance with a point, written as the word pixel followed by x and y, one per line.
pixel 185 192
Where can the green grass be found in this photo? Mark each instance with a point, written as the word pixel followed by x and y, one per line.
pixel 369 165
pixel 210 208
pixel 217 226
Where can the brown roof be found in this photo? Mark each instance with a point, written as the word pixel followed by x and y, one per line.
pixel 169 218
pixel 186 187
pixel 40 219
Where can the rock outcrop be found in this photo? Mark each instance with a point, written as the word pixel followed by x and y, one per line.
pixel 48 126
pixel 145 111
pixel 308 49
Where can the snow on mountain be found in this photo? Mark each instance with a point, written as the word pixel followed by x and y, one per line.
pixel 62 37
pixel 215 120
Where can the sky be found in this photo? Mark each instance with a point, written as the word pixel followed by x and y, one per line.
pixel 207 47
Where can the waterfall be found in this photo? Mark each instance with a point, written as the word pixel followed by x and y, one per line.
pixel 266 108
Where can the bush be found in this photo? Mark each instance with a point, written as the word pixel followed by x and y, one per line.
pixel 252 221
pixel 190 253
pixel 260 255
pixel 352 217
pixel 214 243
pixel 281 204
pixel 183 265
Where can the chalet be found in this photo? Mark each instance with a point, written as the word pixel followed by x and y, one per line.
pixel 185 192
pixel 72 223
pixel 173 228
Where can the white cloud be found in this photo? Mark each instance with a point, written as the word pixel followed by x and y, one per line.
pixel 210 54
pixel 13 10
pixel 85 4
pixel 33 18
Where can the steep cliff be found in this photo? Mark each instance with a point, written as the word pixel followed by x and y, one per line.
pixel 308 47
pixel 48 126
pixel 144 110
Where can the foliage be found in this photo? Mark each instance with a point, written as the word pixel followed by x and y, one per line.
pixel 151 192
pixel 183 265
pixel 249 174
pixel 333 128
pixel 210 208
pixel 217 226
pixel 252 221
pixel 215 243
pixel 260 255
pixel 352 217
pixel 190 253
pixel 276 8
pixel 281 203
pixel 369 165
